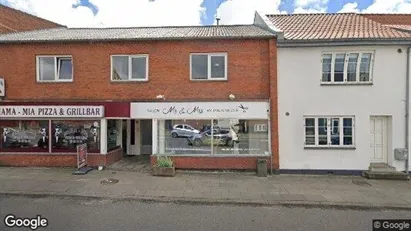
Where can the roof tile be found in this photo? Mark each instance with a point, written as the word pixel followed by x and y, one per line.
pixel 138 33
pixel 334 26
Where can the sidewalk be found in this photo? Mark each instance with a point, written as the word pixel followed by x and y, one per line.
pixel 210 188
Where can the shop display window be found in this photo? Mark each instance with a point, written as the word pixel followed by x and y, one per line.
pixel 213 137
pixel 113 133
pixel 24 135
pixel 66 135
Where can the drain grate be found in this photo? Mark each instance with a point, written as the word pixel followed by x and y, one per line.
pixel 109 181
pixel 361 183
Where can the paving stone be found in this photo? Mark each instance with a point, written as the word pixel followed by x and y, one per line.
pixel 252 196
pixel 173 193
pixel 313 197
pixel 208 186
pixel 193 194
pixel 235 195
pixel 272 197
pixel 140 192
pixel 213 195
pixel 293 197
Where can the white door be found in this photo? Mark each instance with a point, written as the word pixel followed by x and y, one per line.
pixel 379 139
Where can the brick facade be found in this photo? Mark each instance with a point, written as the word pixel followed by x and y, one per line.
pixel 12 20
pixel 251 76
pixel 58 160
pixel 169 66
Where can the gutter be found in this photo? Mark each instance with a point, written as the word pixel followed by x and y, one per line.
pixel 25 41
pixel 407 109
pixel 340 42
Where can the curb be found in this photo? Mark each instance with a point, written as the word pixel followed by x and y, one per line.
pixel 216 202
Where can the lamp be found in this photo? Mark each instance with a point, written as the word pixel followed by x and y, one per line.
pixel 231 96
pixel 160 97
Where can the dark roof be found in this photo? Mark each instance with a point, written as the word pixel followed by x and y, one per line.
pixel 342 26
pixel 12 20
pixel 138 33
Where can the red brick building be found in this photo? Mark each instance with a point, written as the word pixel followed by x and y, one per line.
pixel 140 91
pixel 12 20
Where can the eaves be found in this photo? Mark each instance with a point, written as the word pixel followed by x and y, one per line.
pixel 342 42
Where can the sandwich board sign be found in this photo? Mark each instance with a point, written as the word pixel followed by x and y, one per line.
pixel 81 155
pixel 82 160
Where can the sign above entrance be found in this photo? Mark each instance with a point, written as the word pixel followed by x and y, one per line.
pixel 51 111
pixel 200 110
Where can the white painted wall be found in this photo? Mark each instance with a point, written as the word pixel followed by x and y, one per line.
pixel 300 93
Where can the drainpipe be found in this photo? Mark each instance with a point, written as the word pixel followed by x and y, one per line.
pixel 407 108
pixel 270 151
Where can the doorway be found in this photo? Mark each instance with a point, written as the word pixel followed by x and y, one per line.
pixel 139 137
pixel 379 139
pixel 137 146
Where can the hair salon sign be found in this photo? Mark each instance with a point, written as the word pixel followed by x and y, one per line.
pixel 200 110
pixel 51 111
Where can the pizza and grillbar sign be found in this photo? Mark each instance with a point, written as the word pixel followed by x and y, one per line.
pixel 51 111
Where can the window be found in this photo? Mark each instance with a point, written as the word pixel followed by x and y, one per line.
pixel 24 136
pixel 212 137
pixel 329 131
pixel 353 67
pixel 129 67
pixel 114 134
pixel 208 66
pixel 54 69
pixel 66 135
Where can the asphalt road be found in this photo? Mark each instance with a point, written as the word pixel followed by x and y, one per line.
pixel 80 214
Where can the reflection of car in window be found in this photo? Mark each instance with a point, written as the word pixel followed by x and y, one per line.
pixel 208 127
pixel 219 137
pixel 183 130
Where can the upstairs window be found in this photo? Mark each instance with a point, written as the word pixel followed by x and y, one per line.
pixel 331 132
pixel 353 67
pixel 211 66
pixel 129 67
pixel 54 68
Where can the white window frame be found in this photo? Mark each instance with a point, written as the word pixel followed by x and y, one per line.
pixel 260 127
pixel 130 58
pixel 209 55
pixel 330 126
pixel 347 56
pixel 56 68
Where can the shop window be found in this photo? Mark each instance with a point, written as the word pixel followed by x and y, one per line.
pixel 54 69
pixel 68 134
pixel 24 136
pixel 112 133
pixel 209 137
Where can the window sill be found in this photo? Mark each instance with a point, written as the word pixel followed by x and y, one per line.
pixel 130 81
pixel 345 83
pixel 213 155
pixel 334 148
pixel 209 80
pixel 54 81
